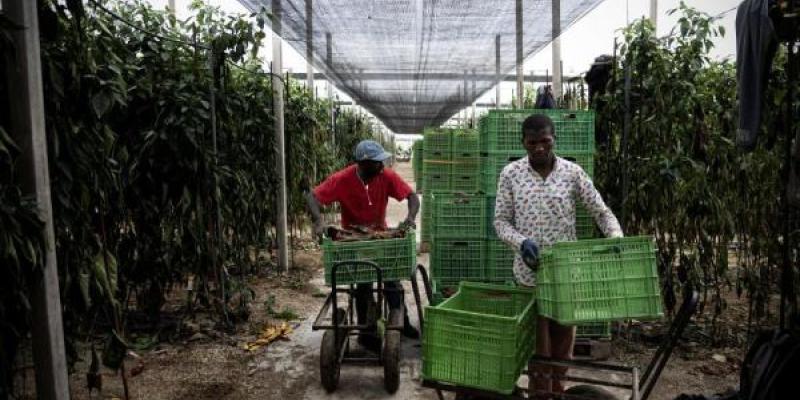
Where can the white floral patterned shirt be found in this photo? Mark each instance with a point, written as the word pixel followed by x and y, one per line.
pixel 529 207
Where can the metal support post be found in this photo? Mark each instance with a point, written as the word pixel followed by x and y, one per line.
pixel 654 14
pixel 280 150
pixel 329 64
pixel 497 71
pixel 556 45
pixel 309 45
pixel 28 130
pixel 520 60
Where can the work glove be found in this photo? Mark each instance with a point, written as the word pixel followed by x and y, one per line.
pixel 530 254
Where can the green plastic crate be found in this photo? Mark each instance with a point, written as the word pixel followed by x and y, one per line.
pixel 459 216
pixel 499 265
pixel 427 218
pixel 466 166
pixel 585 160
pixel 436 175
pixel 465 183
pixel 395 257
pixel 466 144
pixel 593 330
pixel 501 130
pixel 599 280
pixel 482 337
pixel 438 142
pixel 456 260
pixel 466 175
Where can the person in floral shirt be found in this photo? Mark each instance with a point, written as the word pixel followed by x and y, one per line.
pixel 536 199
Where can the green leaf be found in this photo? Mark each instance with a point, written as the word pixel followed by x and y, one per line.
pixel 101 102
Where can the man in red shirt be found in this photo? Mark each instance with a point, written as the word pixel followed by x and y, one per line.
pixel 363 190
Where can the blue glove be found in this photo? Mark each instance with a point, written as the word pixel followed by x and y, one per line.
pixel 530 253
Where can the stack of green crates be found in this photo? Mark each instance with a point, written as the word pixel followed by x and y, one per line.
pixel 482 337
pixel 451 160
pixel 458 238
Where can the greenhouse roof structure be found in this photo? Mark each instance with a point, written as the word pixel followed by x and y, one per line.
pixel 415 63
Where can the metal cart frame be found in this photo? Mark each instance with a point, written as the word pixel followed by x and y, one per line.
pixel 339 326
pixel 640 386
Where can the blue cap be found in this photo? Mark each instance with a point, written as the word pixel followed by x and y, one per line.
pixel 370 150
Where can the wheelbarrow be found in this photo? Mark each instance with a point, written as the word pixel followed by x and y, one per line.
pixel 340 327
pixel 639 384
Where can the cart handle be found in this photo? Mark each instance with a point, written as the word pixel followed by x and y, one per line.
pixel 351 264
pixel 428 293
pixel 664 351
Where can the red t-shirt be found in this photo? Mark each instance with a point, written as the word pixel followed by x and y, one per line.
pixel 362 204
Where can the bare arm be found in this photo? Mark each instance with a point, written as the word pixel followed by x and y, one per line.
pixel 413 207
pixel 314 209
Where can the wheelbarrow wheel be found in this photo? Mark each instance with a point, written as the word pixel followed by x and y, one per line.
pixel 391 354
pixel 329 355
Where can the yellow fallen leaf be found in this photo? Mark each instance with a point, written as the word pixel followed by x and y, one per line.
pixel 269 335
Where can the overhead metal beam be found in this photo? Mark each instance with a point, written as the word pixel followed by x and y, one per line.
pixel 409 76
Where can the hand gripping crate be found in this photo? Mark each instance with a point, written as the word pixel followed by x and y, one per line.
pixel 482 337
pixel 599 280
pixel 395 257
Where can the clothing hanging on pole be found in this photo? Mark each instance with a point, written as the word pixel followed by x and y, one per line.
pixel 756 44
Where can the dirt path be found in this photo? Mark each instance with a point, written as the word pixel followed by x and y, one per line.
pixel 210 365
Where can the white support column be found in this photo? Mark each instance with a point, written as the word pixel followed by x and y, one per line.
pixel 309 45
pixel 654 13
pixel 556 44
pixel 28 130
pixel 520 60
pixel 474 98
pixel 329 63
pixel 172 6
pixel 280 148
pixel 497 72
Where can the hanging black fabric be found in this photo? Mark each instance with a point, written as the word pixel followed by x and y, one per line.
pixel 544 98
pixel 756 43
pixel 598 76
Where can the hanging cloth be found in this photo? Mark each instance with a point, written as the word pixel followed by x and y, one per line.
pixel 756 43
